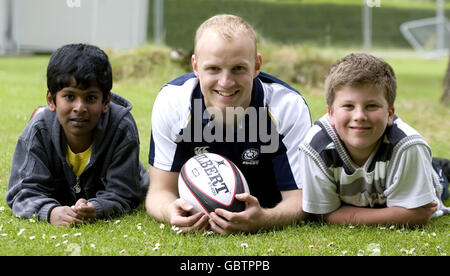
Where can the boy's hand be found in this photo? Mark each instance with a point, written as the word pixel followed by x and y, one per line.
pixel 85 210
pixel 64 216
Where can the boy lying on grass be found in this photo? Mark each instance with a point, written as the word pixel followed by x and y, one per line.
pixel 78 159
pixel 360 163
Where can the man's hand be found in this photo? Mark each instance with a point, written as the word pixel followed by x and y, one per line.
pixel 180 217
pixel 249 220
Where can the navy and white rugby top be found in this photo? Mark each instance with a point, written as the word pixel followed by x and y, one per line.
pixel 264 146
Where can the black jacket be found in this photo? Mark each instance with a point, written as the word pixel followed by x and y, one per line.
pixel 114 179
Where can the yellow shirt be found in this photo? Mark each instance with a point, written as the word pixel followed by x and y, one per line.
pixel 78 161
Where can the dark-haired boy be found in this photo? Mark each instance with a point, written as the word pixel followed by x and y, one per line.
pixel 78 159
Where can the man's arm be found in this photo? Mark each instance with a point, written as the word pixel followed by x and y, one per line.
pixel 389 215
pixel 163 202
pixel 255 218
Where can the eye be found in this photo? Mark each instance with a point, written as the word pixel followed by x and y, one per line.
pixel 348 106
pixel 239 69
pixel 213 69
pixel 372 106
pixel 91 98
pixel 68 97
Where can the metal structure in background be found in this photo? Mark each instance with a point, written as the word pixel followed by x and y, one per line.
pixel 158 22
pixel 367 6
pixel 45 25
pixel 429 36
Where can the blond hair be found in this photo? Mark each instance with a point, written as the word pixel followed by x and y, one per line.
pixel 228 26
pixel 357 70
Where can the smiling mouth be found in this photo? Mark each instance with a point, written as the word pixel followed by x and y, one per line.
pixel 360 129
pixel 226 94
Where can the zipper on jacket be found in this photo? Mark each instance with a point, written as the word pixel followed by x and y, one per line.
pixel 77 187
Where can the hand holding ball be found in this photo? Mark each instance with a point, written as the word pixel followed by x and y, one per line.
pixel 209 181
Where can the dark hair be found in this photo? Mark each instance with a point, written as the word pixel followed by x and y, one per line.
pixel 87 64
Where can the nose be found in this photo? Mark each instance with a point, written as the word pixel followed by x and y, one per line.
pixel 79 106
pixel 226 79
pixel 359 114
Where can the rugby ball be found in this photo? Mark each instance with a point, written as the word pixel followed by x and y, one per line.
pixel 209 181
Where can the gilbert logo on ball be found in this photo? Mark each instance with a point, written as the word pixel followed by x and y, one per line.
pixel 209 181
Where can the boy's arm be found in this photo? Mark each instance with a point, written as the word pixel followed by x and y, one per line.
pixel 124 177
pixel 390 215
pixel 30 184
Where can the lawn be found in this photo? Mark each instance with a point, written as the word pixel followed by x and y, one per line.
pixel 23 87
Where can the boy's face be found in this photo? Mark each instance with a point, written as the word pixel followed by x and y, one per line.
pixel 360 116
pixel 78 112
pixel 226 69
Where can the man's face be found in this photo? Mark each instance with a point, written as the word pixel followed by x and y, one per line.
pixel 226 69
pixel 78 111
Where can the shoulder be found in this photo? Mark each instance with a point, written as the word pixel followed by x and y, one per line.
pixel 176 95
pixel 42 119
pixel 401 130
pixel 286 105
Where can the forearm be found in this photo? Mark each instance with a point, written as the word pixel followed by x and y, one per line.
pixel 370 216
pixel 157 204
pixel 288 211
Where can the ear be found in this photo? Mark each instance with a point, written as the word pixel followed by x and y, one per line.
pixel 331 115
pixel 194 65
pixel 258 64
pixel 51 104
pixel 391 116
pixel 106 104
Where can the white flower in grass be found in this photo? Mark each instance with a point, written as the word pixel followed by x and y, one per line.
pixel 20 231
pixel 374 249
pixel 162 226
pixel 360 252
pixel 139 226
pixel 156 248
pixel 77 234
pixel 123 251
pixel 32 237
pixel 244 245
pixel 117 222
pixel 2 208
pixel 92 245
pixel 3 235
pixel 330 244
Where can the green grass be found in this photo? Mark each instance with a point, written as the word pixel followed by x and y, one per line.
pixel 318 22
pixel 23 86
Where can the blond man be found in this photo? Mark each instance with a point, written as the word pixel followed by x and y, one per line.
pixel 228 94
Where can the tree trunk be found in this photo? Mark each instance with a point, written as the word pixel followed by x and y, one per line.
pixel 445 98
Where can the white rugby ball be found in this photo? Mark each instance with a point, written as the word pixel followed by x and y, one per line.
pixel 209 181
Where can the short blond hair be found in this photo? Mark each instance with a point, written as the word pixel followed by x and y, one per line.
pixel 357 70
pixel 228 26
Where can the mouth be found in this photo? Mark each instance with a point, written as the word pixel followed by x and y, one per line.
pixel 359 129
pixel 226 94
pixel 78 121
